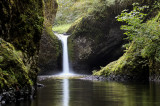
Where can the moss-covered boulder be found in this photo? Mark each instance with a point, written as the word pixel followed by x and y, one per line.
pixel 50 49
pixel 131 67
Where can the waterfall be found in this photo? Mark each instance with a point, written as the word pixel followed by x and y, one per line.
pixel 63 39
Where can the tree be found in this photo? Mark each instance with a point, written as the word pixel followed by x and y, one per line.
pixel 144 34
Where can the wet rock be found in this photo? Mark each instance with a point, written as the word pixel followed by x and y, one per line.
pixel 14 95
pixel 0 97
pixel 3 102
pixel 96 40
pixel 97 78
pixel 50 47
pixel 40 85
pixel 112 77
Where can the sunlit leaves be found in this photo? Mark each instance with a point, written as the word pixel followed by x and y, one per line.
pixel 146 35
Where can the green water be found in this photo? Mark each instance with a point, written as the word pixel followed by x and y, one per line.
pixel 76 92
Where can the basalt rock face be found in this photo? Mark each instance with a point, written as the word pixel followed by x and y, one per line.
pixel 96 39
pixel 50 54
pixel 90 53
pixel 21 23
pixel 50 49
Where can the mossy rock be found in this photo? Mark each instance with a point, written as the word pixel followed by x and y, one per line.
pixel 49 61
pixel 13 71
pixel 21 25
pixel 50 46
pixel 1 59
pixel 131 64
pixel 96 38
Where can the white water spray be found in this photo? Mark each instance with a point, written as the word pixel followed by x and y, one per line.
pixel 63 39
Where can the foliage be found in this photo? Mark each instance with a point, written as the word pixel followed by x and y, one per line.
pixel 61 28
pixel 144 34
pixel 143 50
pixel 71 10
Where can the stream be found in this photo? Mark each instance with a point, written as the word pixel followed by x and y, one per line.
pixel 77 92
pixel 65 91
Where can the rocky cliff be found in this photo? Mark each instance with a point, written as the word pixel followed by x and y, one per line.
pixel 50 47
pixel 96 38
pixel 21 25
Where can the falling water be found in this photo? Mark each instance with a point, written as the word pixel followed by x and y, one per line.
pixel 63 39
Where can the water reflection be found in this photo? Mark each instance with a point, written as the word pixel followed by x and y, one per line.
pixel 65 92
pixel 75 92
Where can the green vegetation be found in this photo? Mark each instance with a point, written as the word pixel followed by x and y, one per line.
pixel 143 51
pixel 61 28
pixel 49 60
pixel 13 72
pixel 129 64
pixel 21 28
pixel 53 46
pixel 71 10
pixel 97 24
pixel 144 35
